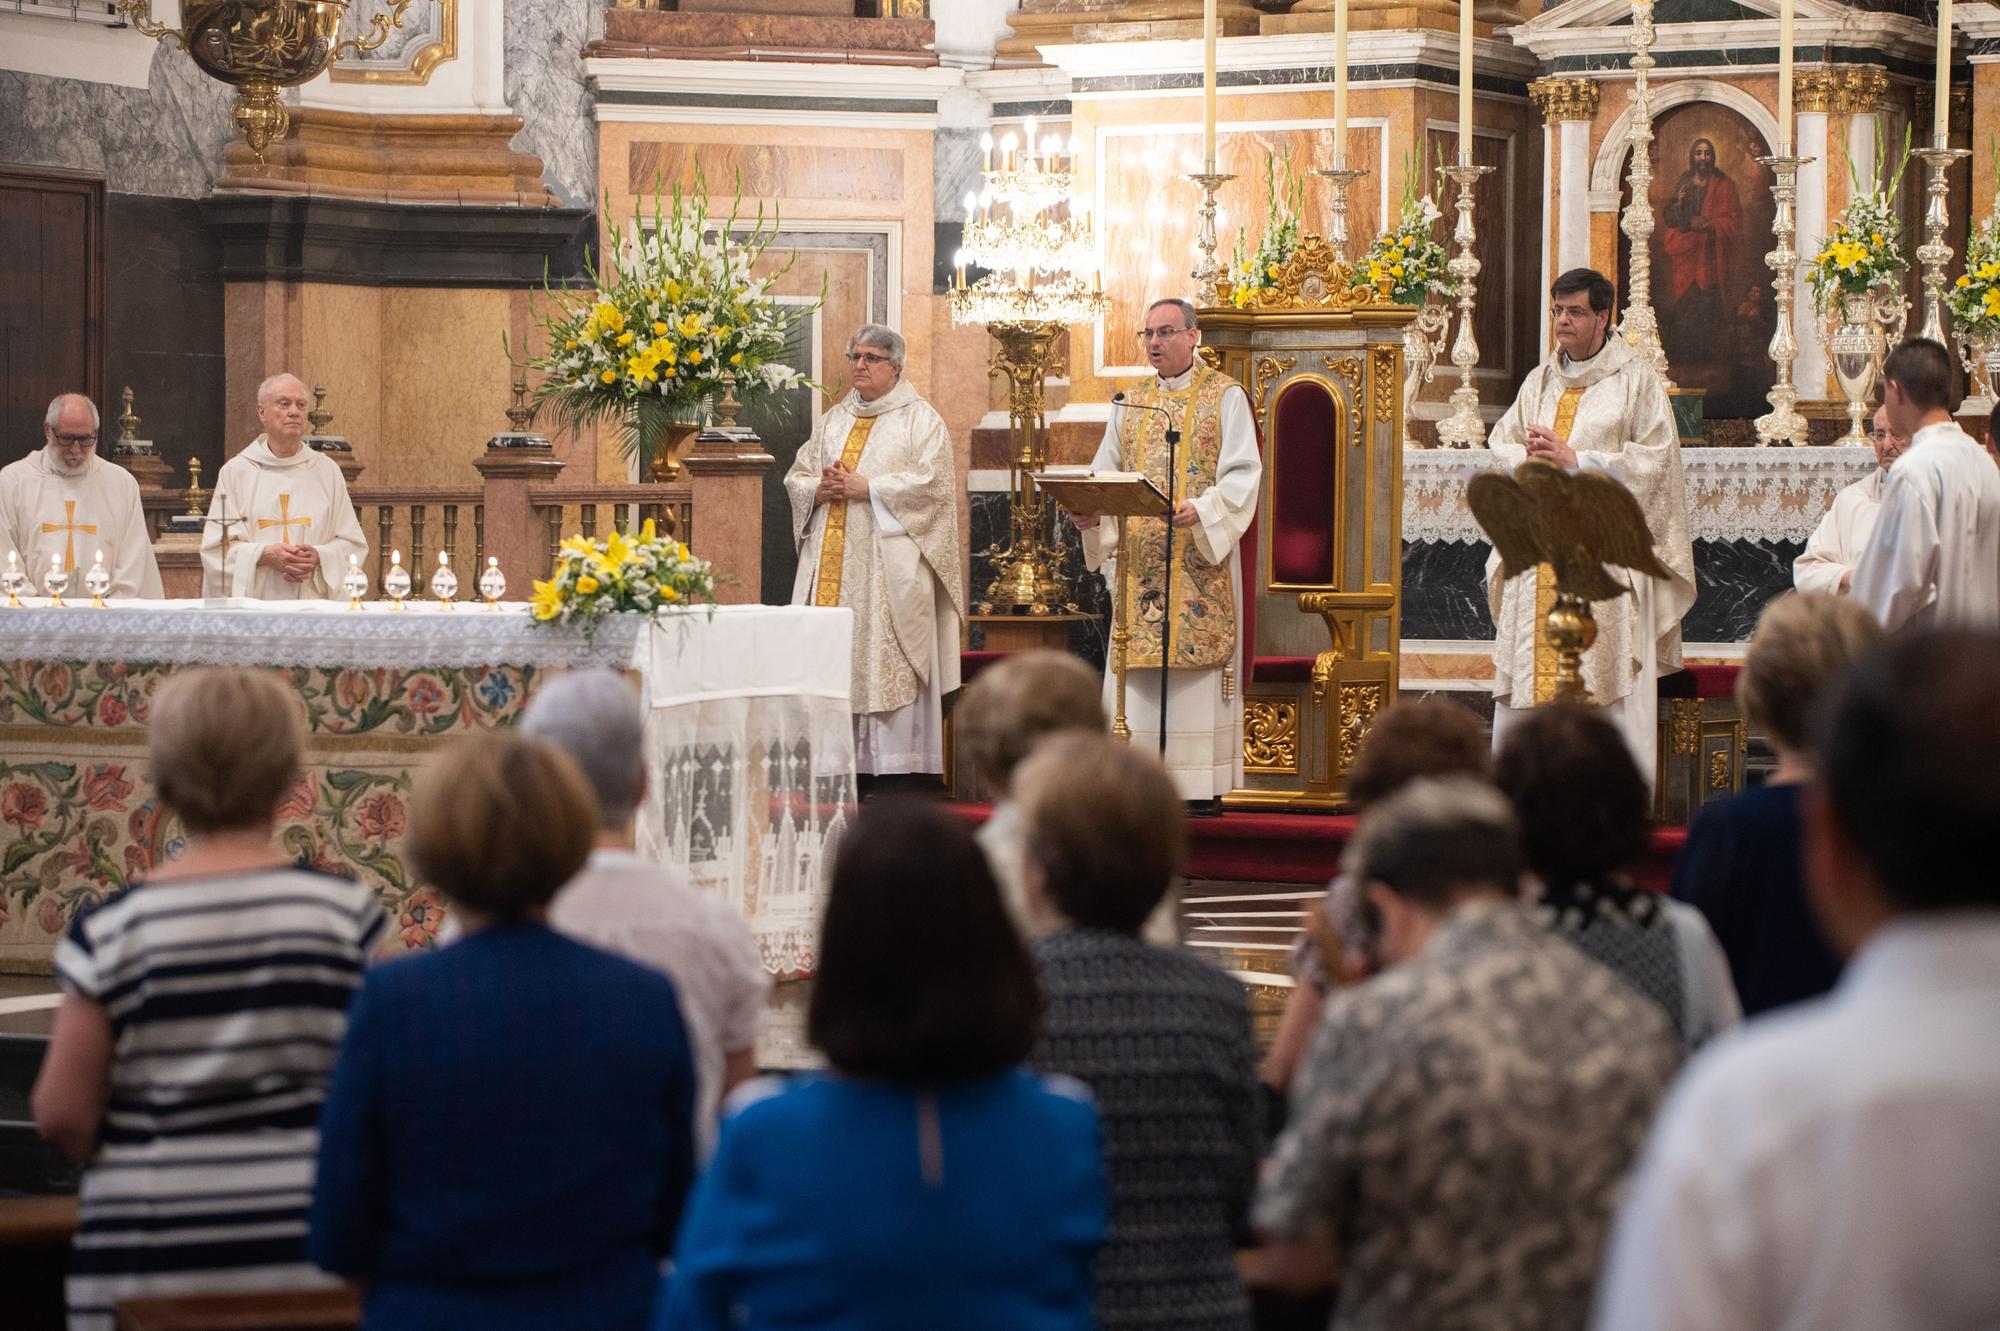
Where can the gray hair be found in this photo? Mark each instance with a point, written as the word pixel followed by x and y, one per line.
pixel 878 336
pixel 595 716
pixel 1436 838
pixel 56 406
pixel 265 389
pixel 1185 307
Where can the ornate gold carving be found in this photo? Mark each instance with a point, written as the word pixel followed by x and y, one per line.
pixel 1565 99
pixel 1210 357
pixel 1314 279
pixel 1718 770
pixel 1684 723
pixel 1814 90
pixel 1348 368
pixel 1388 383
pixel 422 62
pixel 1862 89
pixel 1270 736
pixel 1358 705
pixel 1268 369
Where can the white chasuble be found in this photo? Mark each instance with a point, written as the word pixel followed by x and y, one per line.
pixel 1218 468
pixel 893 559
pixel 1933 559
pixel 1835 546
pixel 266 500
pixel 1621 424
pixel 45 514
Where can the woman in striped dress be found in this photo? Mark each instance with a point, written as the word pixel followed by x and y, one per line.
pixel 201 1015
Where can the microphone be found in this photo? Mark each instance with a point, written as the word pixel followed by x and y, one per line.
pixel 1173 434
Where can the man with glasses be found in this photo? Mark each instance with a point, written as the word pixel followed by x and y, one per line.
pixel 874 496
pixel 1215 499
pixel 1596 406
pixel 1836 544
pixel 66 503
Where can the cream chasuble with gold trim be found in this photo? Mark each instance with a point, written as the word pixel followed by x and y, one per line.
pixel 269 500
pixel 44 513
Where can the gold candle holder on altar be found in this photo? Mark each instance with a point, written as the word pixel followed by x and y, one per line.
pixel 1207 274
pixel 14 579
pixel 1783 424
pixel 1934 253
pixel 1342 179
pixel 1464 428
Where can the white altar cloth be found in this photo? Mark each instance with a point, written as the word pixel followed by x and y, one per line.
pixel 1734 494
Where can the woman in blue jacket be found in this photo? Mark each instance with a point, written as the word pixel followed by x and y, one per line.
pixel 927 1182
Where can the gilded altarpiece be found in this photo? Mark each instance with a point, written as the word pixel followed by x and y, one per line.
pixel 1323 363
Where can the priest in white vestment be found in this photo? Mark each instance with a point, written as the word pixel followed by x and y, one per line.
pixel 291 529
pixel 1217 476
pixel 874 496
pixel 65 502
pixel 1594 405
pixel 1934 556
pixel 1835 546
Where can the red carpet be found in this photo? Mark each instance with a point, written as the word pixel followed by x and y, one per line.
pixel 1304 848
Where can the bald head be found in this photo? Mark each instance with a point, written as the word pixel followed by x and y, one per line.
pixel 281 410
pixel 69 431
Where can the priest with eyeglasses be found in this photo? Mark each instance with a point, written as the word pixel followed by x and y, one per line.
pixel 65 503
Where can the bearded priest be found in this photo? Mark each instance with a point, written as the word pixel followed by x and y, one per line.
pixel 874 496
pixel 1595 406
pixel 1215 500
pixel 290 526
pixel 63 501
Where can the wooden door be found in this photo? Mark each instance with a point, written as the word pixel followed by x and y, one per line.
pixel 51 299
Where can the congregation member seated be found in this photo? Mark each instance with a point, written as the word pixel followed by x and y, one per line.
pixel 1742 866
pixel 626 904
pixel 1409 740
pixel 1463 1120
pixel 507 1141
pixel 201 1010
pixel 925 1180
pixel 1159 1035
pixel 1585 821
pixel 1833 1166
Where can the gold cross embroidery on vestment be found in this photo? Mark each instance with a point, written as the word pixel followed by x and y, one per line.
pixel 833 541
pixel 284 520
pixel 70 525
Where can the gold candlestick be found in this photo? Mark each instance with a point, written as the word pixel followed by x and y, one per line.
pixel 1464 428
pixel 1934 254
pixel 1783 424
pixel 1642 326
pixel 1342 179
pixel 1207 273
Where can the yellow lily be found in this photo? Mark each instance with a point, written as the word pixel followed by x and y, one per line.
pixel 546 603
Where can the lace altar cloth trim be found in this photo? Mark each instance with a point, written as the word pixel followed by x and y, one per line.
pixel 1734 494
pixel 324 633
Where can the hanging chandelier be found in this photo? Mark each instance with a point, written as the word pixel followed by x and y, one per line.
pixel 1033 236
pixel 260 46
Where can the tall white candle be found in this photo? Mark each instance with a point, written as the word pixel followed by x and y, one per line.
pixel 1785 78
pixel 1465 82
pixel 1208 86
pixel 1941 115
pixel 1340 84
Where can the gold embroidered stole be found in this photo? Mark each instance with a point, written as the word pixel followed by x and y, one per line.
pixel 1545 574
pixel 833 541
pixel 1197 594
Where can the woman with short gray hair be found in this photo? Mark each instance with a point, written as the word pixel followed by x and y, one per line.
pixel 874 497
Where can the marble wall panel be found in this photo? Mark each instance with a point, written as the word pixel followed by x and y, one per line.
pixel 766 171
pixel 1444 591
pixel 545 86
pixel 444 386
pixel 166 138
pixel 344 346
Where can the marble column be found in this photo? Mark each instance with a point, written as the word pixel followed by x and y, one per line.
pixel 1813 93
pixel 1568 107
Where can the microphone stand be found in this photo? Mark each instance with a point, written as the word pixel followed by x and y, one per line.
pixel 1167 587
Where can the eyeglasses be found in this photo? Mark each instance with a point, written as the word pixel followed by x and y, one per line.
pixel 77 440
pixel 1557 313
pixel 863 358
pixel 1880 436
pixel 1146 335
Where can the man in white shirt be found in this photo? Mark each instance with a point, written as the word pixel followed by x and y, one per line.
pixel 1827 565
pixel 1934 557
pixel 66 503
pixel 640 910
pixel 1834 1165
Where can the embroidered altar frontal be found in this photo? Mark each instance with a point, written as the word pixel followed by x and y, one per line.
pixel 381 692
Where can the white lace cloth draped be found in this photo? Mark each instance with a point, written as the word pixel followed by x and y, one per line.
pixel 1734 494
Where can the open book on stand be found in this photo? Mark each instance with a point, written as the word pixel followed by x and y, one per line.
pixel 1111 494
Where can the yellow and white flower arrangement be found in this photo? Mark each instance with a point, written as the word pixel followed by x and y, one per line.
pixel 679 316
pixel 620 574
pixel 1974 298
pixel 1409 256
pixel 1864 248
pixel 1255 268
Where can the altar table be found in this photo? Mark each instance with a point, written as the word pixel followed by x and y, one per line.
pixel 749 741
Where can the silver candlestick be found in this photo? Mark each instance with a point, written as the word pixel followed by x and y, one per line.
pixel 1934 254
pixel 1783 424
pixel 1342 179
pixel 1642 327
pixel 1207 273
pixel 1464 428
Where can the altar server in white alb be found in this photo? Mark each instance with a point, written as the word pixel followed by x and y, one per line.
pixel 1934 556
pixel 1214 490
pixel 65 502
pixel 1836 544
pixel 291 525
pixel 874 496
pixel 1594 405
